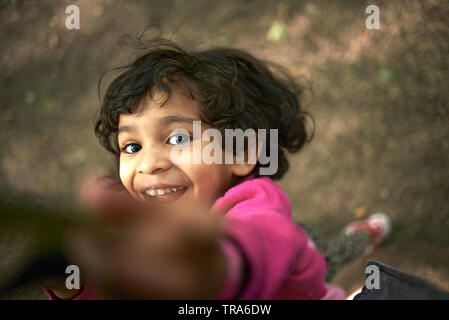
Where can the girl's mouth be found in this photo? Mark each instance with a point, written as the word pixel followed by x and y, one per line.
pixel 169 194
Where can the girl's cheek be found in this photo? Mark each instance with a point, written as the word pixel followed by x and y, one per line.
pixel 182 156
pixel 125 176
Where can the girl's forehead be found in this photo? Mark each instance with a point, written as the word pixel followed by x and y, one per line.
pixel 160 106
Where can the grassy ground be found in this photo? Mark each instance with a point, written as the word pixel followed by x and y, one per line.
pixel 379 99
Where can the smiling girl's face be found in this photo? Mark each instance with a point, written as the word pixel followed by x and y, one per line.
pixel 146 139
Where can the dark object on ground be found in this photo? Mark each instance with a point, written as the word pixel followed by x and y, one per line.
pixel 395 284
pixel 46 228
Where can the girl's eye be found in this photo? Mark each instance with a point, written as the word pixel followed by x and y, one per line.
pixel 179 138
pixel 132 148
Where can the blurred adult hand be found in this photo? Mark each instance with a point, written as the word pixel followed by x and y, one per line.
pixel 151 251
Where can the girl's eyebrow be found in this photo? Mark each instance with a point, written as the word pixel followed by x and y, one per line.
pixel 165 121
pixel 125 129
pixel 170 119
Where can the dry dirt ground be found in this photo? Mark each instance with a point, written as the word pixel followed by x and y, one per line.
pixel 379 99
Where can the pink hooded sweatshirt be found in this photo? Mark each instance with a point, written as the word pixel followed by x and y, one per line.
pixel 279 259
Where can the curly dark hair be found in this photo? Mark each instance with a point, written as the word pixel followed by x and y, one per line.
pixel 235 90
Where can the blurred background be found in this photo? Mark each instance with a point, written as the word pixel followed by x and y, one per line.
pixel 379 99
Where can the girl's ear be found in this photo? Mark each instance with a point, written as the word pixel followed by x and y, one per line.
pixel 242 169
pixel 252 154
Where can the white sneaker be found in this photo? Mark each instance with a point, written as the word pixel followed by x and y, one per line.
pixel 377 225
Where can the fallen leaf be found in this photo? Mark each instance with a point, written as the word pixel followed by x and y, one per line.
pixel 277 32
pixel 360 212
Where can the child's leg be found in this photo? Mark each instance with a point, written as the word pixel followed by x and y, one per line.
pixel 343 249
pixel 338 250
pixel 356 239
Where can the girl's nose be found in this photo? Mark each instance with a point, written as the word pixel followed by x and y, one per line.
pixel 153 161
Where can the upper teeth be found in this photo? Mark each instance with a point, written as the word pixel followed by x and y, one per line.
pixel 161 192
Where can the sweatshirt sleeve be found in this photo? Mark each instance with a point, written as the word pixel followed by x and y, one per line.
pixel 235 270
pixel 89 291
pixel 258 220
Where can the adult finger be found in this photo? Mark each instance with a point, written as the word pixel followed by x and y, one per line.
pixel 110 201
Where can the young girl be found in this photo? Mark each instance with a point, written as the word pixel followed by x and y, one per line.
pixel 188 230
